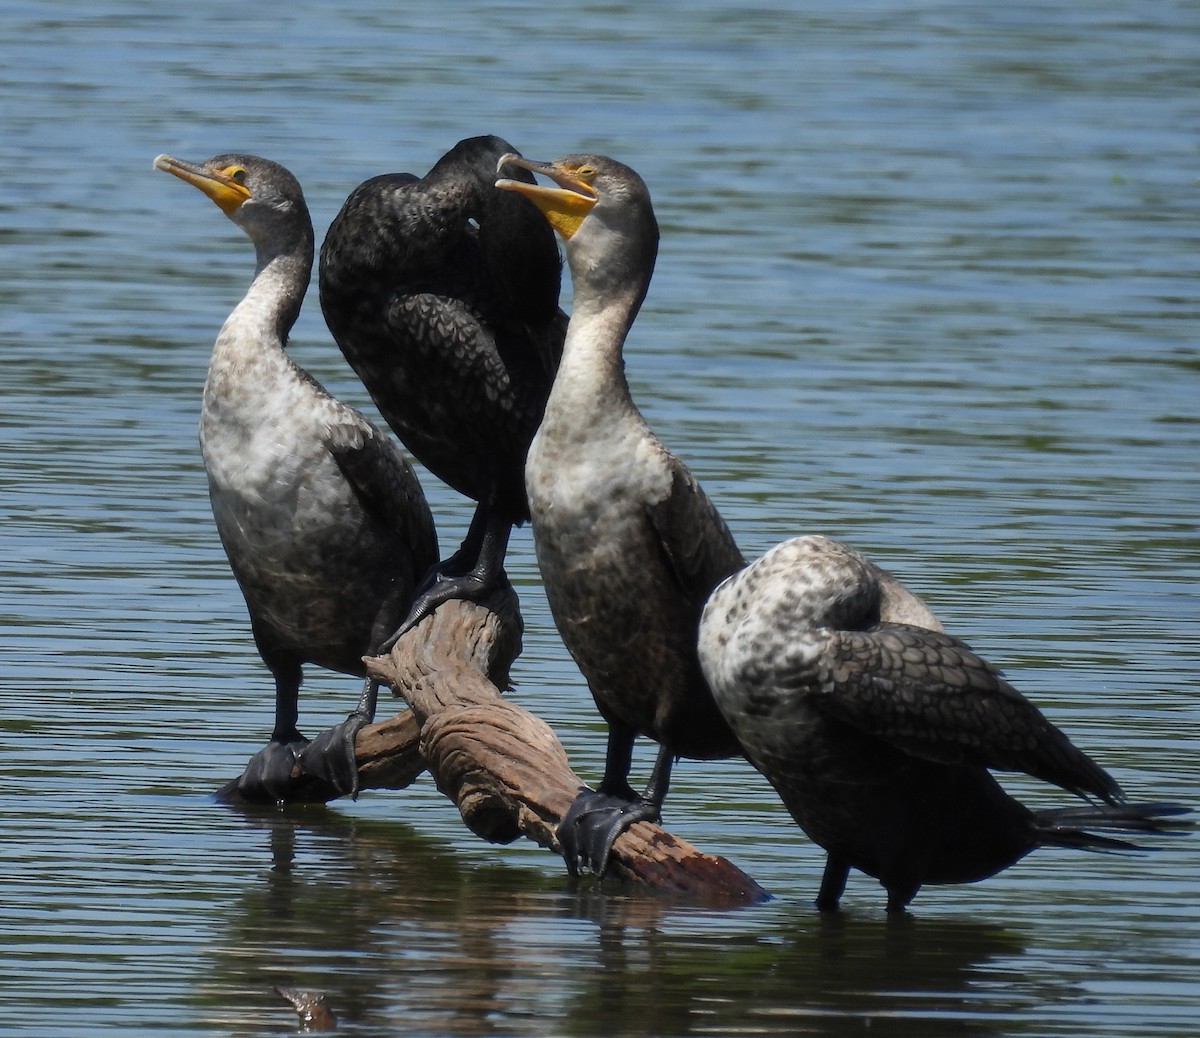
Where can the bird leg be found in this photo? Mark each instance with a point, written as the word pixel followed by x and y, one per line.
pixel 269 771
pixel 899 894
pixel 833 883
pixel 596 818
pixel 330 755
pixel 481 553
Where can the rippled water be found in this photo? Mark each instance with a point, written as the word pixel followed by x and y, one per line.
pixel 927 283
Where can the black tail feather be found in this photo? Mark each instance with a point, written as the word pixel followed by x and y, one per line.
pixel 1071 826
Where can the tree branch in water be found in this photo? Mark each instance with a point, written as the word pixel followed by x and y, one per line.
pixel 502 766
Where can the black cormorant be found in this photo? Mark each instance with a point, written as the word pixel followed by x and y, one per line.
pixel 443 295
pixel 320 513
pixel 628 544
pixel 879 733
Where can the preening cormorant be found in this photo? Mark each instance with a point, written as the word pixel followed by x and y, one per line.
pixel 443 295
pixel 320 513
pixel 879 733
pixel 628 544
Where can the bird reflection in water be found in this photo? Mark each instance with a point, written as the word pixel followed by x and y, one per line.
pixel 405 935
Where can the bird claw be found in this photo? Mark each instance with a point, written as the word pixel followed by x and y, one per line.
pixel 269 772
pixel 438 588
pixel 330 755
pixel 592 824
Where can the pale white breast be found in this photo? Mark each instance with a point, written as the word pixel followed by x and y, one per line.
pixel 589 488
pixel 263 430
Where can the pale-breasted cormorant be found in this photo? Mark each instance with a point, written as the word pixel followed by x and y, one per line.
pixel 443 295
pixel 320 513
pixel 879 733
pixel 628 544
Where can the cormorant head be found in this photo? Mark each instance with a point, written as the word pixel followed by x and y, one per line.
pixel 260 196
pixel 602 210
pixel 472 159
pixel 519 247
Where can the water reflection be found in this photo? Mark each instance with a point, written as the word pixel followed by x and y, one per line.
pixel 403 936
pixel 380 917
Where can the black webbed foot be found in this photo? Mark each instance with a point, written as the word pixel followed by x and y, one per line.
pixel 592 824
pixel 471 573
pixel 442 585
pixel 269 772
pixel 330 755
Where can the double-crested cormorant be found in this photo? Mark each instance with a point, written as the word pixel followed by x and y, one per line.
pixel 878 732
pixel 320 513
pixel 443 295
pixel 628 545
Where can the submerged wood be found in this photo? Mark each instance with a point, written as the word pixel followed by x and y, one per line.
pixel 504 768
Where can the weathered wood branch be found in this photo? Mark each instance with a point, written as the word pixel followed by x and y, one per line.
pixel 504 768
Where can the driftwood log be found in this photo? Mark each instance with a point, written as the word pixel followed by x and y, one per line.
pixel 504 768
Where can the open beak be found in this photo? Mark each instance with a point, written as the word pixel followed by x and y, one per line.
pixel 218 184
pixel 566 204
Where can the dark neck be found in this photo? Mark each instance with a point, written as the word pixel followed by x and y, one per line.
pixel 281 279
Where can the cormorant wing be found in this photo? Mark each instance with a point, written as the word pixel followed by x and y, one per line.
pixel 472 387
pixel 383 479
pixel 928 694
pixel 698 546
pixel 549 342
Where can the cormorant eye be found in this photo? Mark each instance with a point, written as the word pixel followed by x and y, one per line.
pixel 237 174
